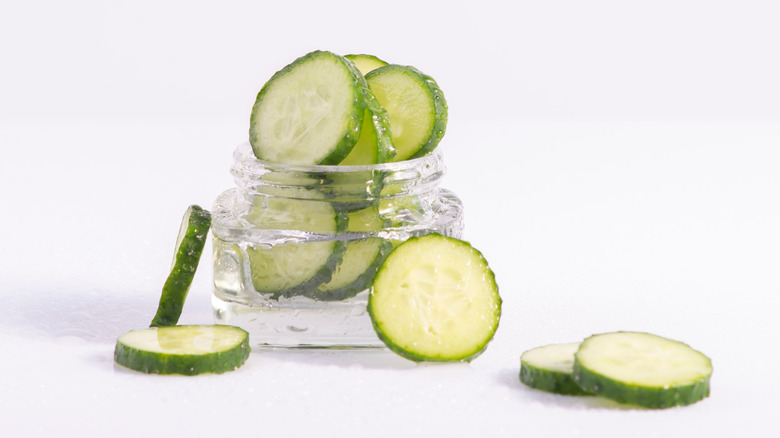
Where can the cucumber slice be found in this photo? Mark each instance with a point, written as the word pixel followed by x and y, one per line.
pixel 183 349
pixel 549 368
pixel 361 260
pixel 292 268
pixel 435 299
pixel 416 106
pixel 189 246
pixel 366 63
pixel 310 112
pixel 642 369
pixel 375 144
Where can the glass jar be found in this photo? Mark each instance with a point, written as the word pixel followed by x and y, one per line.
pixel 296 247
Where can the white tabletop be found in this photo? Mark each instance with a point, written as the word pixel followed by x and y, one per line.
pixel 665 228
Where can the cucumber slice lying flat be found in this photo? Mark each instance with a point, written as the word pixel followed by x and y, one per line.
pixel 642 369
pixel 550 367
pixel 189 246
pixel 366 63
pixel 288 269
pixel 435 298
pixel 183 349
pixel 310 112
pixel 416 106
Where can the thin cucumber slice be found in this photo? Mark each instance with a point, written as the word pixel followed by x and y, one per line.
pixel 550 367
pixel 361 260
pixel 292 268
pixel 366 63
pixel 375 144
pixel 416 106
pixel 183 349
pixel 642 369
pixel 310 112
pixel 435 299
pixel 189 246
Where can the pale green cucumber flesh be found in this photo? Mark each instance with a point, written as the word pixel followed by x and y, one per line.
pixel 310 112
pixel 435 299
pixel 549 368
pixel 189 246
pixel 375 144
pixel 188 350
pixel 415 105
pixel 642 369
pixel 366 63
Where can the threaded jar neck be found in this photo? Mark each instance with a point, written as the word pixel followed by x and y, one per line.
pixel 416 177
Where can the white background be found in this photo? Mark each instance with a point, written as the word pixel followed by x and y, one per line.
pixel 617 160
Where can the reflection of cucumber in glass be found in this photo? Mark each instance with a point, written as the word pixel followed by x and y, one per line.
pixel 189 245
pixel 642 369
pixel 187 350
pixel 435 299
pixel 310 112
pixel 550 367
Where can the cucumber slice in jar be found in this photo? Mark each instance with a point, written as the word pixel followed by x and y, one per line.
pixel 375 144
pixel 366 63
pixel 642 369
pixel 189 246
pixel 310 112
pixel 291 268
pixel 435 299
pixel 550 368
pixel 183 349
pixel 362 258
pixel 415 105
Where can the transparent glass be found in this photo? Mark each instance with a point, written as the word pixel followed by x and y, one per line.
pixel 296 247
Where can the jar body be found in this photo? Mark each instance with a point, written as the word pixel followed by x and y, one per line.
pixel 296 247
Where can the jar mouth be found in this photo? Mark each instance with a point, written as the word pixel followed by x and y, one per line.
pixel 245 160
pixel 365 182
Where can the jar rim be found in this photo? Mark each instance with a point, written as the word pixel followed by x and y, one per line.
pixel 244 157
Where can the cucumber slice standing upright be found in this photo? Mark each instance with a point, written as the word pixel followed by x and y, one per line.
pixel 550 368
pixel 183 349
pixel 366 63
pixel 435 299
pixel 189 246
pixel 415 105
pixel 310 112
pixel 642 369
pixel 375 144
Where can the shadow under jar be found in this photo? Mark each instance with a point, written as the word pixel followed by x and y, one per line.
pixel 297 247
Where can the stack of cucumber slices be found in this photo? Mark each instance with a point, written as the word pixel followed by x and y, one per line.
pixel 635 368
pixel 349 110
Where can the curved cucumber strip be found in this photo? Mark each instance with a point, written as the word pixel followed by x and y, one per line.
pixel 310 112
pixel 288 269
pixel 366 63
pixel 416 106
pixel 435 298
pixel 183 349
pixel 189 246
pixel 550 367
pixel 642 369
